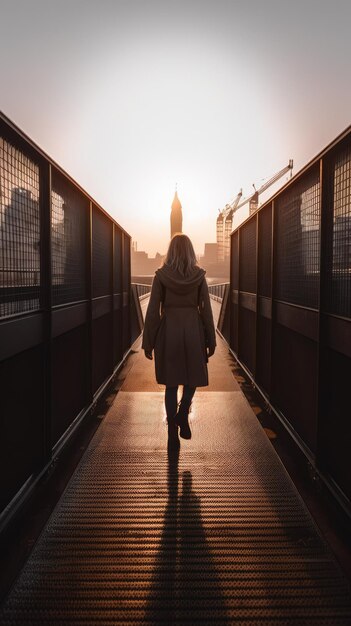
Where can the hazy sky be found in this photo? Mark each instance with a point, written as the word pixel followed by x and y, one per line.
pixel 130 97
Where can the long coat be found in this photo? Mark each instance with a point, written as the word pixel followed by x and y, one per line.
pixel 179 327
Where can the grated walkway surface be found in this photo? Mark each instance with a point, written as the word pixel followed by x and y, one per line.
pixel 215 532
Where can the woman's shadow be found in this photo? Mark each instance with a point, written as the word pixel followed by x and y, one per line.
pixel 185 582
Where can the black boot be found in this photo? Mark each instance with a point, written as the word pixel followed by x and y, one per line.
pixel 182 420
pixel 171 410
pixel 173 439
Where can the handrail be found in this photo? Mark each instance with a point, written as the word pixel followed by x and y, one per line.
pixel 142 290
pixel 217 291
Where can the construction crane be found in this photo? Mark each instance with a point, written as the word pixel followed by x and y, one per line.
pixel 253 200
pixel 225 217
pixel 225 226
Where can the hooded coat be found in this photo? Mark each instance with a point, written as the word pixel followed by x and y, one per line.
pixel 179 327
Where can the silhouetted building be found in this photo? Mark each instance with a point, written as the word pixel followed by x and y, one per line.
pixel 253 203
pixel 176 216
pixel 228 227
pixel 20 240
pixel 220 236
pixel 213 266
pixel 211 253
pixel 342 243
pixel 309 251
pixel 142 264
pixel 224 227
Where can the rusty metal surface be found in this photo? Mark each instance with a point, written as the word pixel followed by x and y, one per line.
pixel 213 532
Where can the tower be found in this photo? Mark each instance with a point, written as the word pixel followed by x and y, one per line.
pixel 176 216
pixel 220 235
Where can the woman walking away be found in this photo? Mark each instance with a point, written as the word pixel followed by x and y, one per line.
pixel 179 328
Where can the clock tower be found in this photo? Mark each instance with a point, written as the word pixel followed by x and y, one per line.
pixel 176 216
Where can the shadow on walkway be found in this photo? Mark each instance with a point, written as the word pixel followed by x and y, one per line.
pixel 185 583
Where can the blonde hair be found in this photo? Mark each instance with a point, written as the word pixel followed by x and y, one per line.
pixel 181 255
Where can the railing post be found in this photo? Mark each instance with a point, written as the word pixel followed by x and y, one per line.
pixel 326 231
pixel 129 295
pixel 231 279
pixel 239 285
pixel 126 296
pixel 256 313
pixel 46 301
pixel 89 364
pixel 112 325
pixel 273 245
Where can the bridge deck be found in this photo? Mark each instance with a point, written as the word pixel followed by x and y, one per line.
pixel 215 533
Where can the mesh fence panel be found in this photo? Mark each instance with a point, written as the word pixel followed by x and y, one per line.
pixel 126 283
pixel 339 279
pixel 337 420
pixel 235 260
pixel 265 251
pixel 102 350
pixel 248 257
pixel 295 380
pixel 22 420
pixel 19 231
pixel 247 337
pixel 234 327
pixel 126 263
pixel 298 242
pixel 102 253
pixel 117 279
pixel 69 221
pixel 69 378
pixel 263 354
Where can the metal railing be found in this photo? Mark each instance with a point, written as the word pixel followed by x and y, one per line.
pixel 217 291
pixel 65 309
pixel 142 290
pixel 290 309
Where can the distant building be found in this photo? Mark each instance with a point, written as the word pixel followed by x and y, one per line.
pixel 20 252
pixel 224 227
pixel 142 264
pixel 20 240
pixel 176 216
pixel 214 267
pixel 211 253
pixel 220 236
pixel 342 244
pixel 253 203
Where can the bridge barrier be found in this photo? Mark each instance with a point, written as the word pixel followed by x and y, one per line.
pixel 65 309
pixel 290 309
pixel 217 291
pixel 142 291
pixel 139 292
pixel 220 293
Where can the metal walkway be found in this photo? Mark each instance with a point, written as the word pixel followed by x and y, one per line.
pixel 216 533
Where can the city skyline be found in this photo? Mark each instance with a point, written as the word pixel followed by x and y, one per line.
pixel 215 96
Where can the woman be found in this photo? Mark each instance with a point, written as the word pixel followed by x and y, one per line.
pixel 179 328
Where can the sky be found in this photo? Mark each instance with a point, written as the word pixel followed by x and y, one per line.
pixel 132 97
